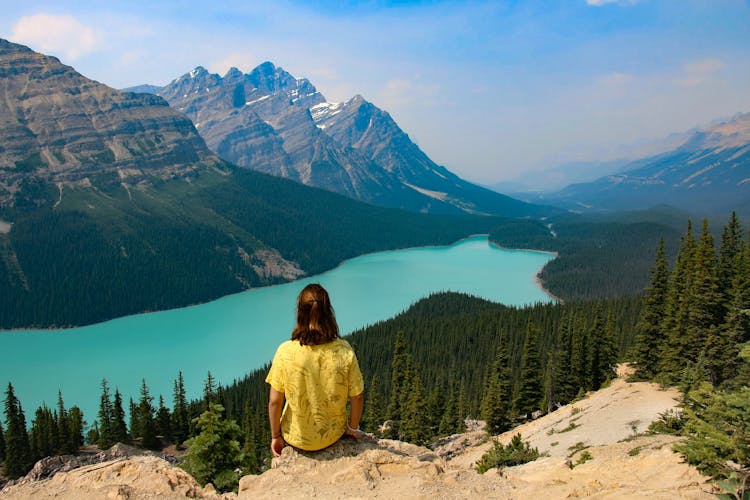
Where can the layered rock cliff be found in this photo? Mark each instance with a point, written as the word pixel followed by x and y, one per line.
pixel 58 126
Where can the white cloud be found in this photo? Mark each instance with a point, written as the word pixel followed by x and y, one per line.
pixel 599 3
pixel 243 61
pixel 58 34
pixel 699 71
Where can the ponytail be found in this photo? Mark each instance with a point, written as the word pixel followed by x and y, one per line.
pixel 316 320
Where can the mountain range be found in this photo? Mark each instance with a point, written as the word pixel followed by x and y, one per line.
pixel 709 173
pixel 111 203
pixel 269 121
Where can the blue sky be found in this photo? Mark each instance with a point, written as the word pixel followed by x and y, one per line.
pixel 490 89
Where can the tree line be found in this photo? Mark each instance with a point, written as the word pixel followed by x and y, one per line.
pixel 694 332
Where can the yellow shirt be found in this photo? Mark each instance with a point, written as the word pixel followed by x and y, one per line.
pixel 316 381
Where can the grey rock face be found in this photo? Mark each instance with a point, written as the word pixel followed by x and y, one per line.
pixel 269 121
pixel 60 126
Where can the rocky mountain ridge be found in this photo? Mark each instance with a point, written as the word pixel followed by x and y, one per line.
pixel 708 173
pixel 594 448
pixel 269 121
pixel 60 127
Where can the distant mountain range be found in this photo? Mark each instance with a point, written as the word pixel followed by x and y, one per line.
pixel 111 203
pixel 269 121
pixel 709 173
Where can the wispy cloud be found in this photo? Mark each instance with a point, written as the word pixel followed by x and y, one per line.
pixel 699 71
pixel 599 3
pixel 402 91
pixel 58 34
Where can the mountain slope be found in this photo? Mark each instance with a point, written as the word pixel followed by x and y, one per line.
pixel 269 121
pixel 112 204
pixel 709 173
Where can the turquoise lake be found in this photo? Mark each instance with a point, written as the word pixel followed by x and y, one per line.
pixel 235 334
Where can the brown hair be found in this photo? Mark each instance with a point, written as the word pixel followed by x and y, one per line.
pixel 316 321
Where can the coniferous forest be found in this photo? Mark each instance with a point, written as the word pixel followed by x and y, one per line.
pixel 450 357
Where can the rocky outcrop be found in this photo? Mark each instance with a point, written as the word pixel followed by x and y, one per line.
pixel 609 458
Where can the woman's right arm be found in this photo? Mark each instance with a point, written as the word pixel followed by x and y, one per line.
pixel 275 404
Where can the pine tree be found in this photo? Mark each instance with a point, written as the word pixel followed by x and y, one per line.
pixel 209 392
pixel 579 361
pixel 435 410
pixel 119 430
pixel 214 454
pixel 147 426
pixel 105 418
pixel 64 440
pixel 135 425
pixel 250 441
pixel 731 247
pixel 564 380
pixel 17 447
pixel 677 310
pixel 180 420
pixel 723 343
pixel 415 425
pixel 373 416
pixel 450 415
pixel 76 423
pixel 529 396
pixel 399 366
pixel 649 332
pixel 163 421
pixel 705 310
pixel 497 392
pixel 2 443
pixel 43 439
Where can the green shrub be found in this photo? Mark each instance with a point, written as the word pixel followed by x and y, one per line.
pixel 516 452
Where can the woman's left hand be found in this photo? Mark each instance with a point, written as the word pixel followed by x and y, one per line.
pixel 277 444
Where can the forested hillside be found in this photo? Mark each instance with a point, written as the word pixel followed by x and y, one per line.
pixel 105 252
pixel 597 257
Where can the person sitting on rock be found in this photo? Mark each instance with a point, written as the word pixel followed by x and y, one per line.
pixel 316 372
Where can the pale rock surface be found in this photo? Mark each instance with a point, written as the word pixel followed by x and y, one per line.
pixel 621 465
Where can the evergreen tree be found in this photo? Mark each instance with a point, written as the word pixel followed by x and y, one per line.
pixel 373 416
pixel 649 333
pixel 415 425
pixel 163 421
pixel 76 423
pixel 44 438
pixel 135 425
pixel 214 454
pixel 435 409
pixel 119 430
pixel 180 419
pixel 731 247
pixel 529 396
pixel 64 440
pixel 399 367
pixel 250 441
pixel 17 447
pixel 450 417
pixel 209 392
pixel 2 443
pixel 461 408
pixel 564 381
pixel 147 425
pixel 677 310
pixel 601 349
pixel 579 361
pixel 105 418
pixel 497 392
pixel 705 310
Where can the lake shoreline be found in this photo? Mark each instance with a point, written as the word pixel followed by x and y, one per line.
pixel 73 327
pixel 537 278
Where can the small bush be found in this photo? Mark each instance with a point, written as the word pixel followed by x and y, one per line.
pixel 516 452
pixel 669 422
